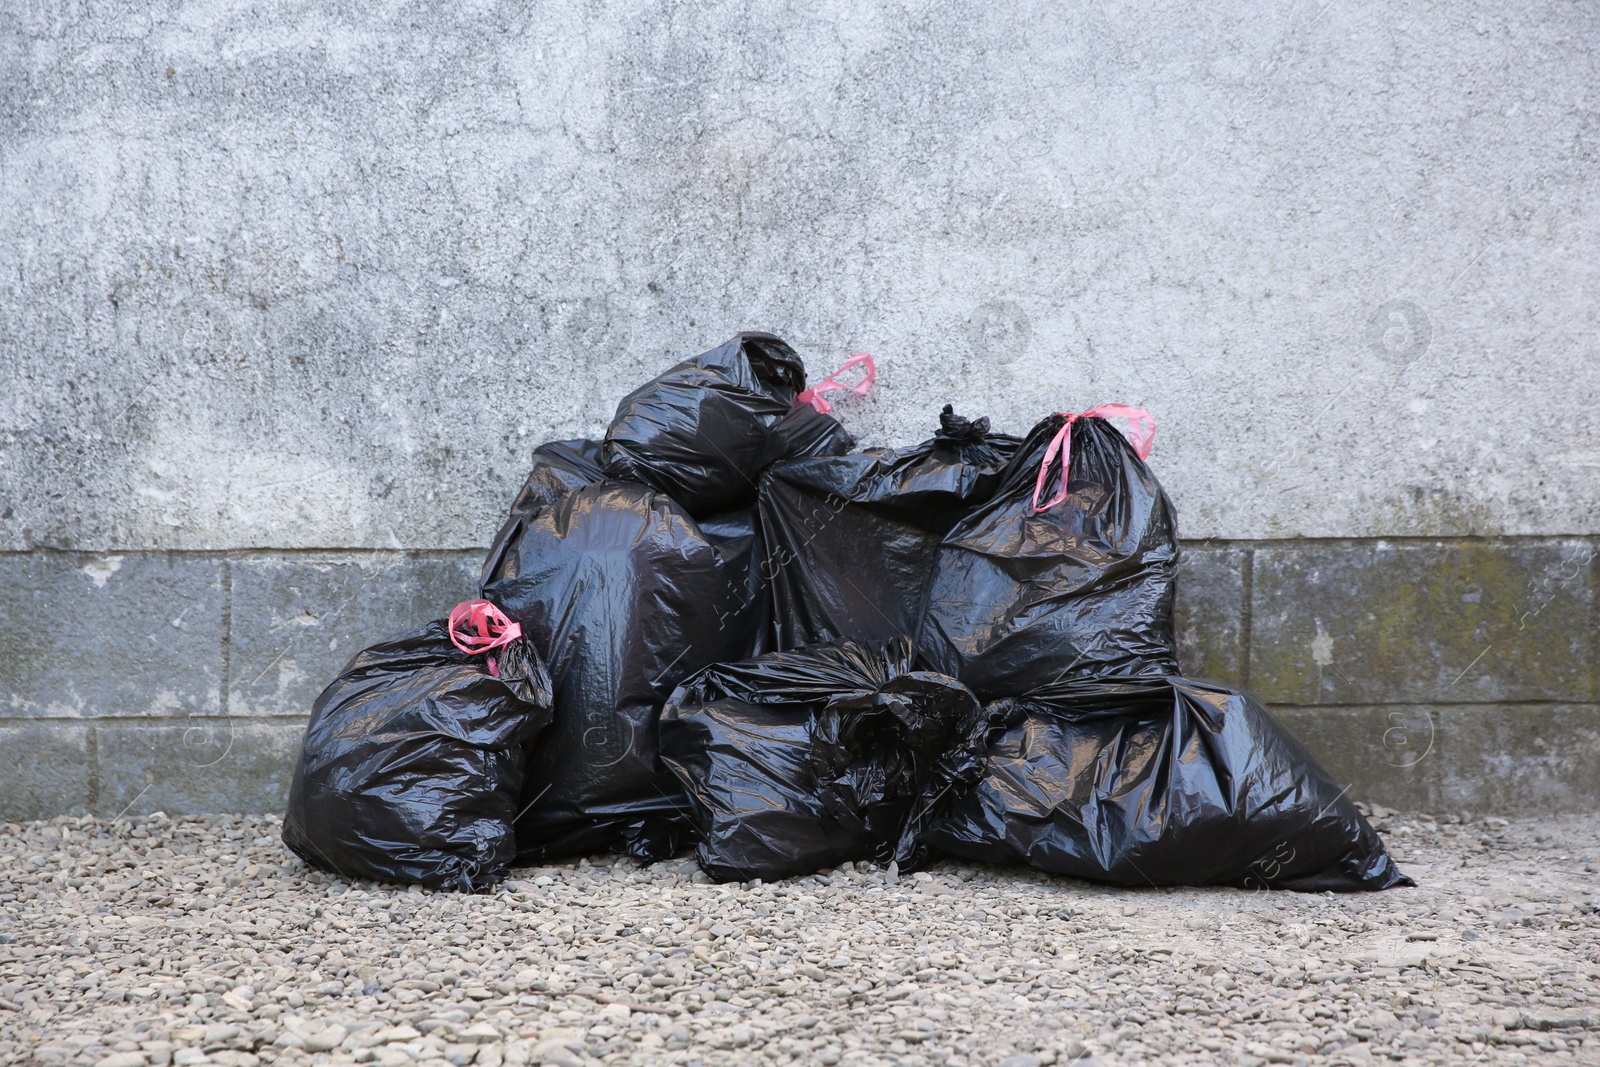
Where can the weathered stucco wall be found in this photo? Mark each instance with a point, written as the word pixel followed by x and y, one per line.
pixel 285 274
pixel 289 289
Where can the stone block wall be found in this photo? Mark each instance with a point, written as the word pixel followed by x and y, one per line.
pixel 1447 676
pixel 181 682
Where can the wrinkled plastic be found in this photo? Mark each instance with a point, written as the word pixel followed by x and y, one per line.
pixel 558 468
pixel 1169 781
pixel 1020 598
pixel 703 431
pixel 412 762
pixel 797 761
pixel 626 595
pixel 851 539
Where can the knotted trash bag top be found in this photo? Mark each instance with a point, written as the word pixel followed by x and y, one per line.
pixel 1066 572
pixel 851 540
pixel 1167 781
pixel 797 761
pixel 626 595
pixel 703 431
pixel 412 763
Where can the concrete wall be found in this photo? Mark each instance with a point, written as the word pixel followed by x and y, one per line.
pixel 287 292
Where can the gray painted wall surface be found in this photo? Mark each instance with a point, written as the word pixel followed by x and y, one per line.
pixel 284 274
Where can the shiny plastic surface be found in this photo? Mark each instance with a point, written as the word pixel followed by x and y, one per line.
pixel 558 468
pixel 626 595
pixel 412 763
pixel 1167 781
pixel 797 761
pixel 1083 590
pixel 703 431
pixel 851 539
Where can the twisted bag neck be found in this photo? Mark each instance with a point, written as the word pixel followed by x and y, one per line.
pixel 1141 434
pixel 478 627
pixel 813 396
pixel 956 430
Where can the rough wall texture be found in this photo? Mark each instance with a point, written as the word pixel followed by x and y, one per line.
pixel 285 274
pixel 289 289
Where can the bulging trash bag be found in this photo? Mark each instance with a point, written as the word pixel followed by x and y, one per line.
pixel 703 431
pixel 626 595
pixel 1169 781
pixel 558 468
pixel 1059 576
pixel 850 540
pixel 412 763
pixel 797 761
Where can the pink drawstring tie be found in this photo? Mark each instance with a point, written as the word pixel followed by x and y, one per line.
pixel 478 626
pixel 1141 434
pixel 813 396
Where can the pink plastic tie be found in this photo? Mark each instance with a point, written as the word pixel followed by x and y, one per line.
pixel 813 396
pixel 477 626
pixel 1141 434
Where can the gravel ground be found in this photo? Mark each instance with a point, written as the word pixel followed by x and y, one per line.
pixel 156 941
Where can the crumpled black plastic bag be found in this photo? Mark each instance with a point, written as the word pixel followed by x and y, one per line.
pixel 703 431
pixel 626 595
pixel 851 539
pixel 412 762
pixel 797 761
pixel 1169 781
pixel 558 468
pixel 1020 598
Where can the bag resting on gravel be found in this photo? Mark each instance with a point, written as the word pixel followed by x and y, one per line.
pixel 1163 781
pixel 796 761
pixel 626 595
pixel 412 762
pixel 723 516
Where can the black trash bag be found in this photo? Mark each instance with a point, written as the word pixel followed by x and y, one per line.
pixel 797 761
pixel 1171 781
pixel 626 596
pixel 558 468
pixel 851 539
pixel 1079 586
pixel 704 431
pixel 412 763
pixel 745 598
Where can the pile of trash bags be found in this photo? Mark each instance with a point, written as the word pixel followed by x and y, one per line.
pixel 724 626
